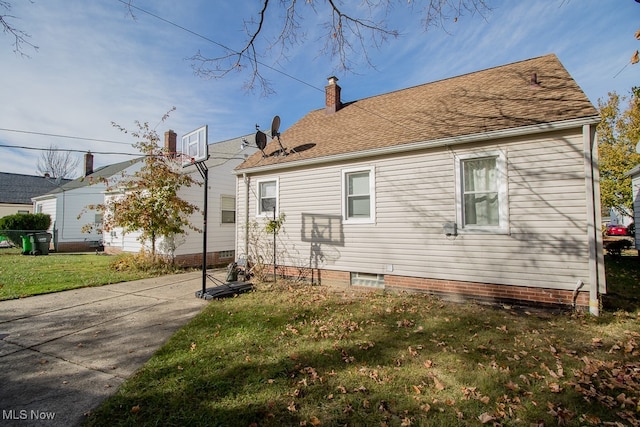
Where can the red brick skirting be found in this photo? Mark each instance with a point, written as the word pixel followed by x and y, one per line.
pixel 191 260
pixel 451 289
pixel 76 247
pixel 195 260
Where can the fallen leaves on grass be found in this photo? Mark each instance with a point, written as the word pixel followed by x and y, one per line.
pixel 600 381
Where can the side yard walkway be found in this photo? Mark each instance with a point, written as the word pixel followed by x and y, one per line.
pixel 62 354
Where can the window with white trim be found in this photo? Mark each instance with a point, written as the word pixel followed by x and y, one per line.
pixel 267 197
pixel 358 195
pixel 482 192
pixel 228 209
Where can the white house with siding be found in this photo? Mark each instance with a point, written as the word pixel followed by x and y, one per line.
pixel 187 248
pixel 480 186
pixel 635 185
pixel 67 205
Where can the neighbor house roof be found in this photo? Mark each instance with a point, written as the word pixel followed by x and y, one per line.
pixel 633 172
pixel 19 189
pixel 524 94
pixel 96 177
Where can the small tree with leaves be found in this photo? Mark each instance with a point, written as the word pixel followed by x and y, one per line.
pixel 148 201
pixel 618 134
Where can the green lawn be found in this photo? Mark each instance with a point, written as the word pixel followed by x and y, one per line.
pixel 300 355
pixel 25 275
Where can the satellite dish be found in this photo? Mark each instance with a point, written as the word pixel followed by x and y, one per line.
pixel 275 127
pixel 275 133
pixel 261 140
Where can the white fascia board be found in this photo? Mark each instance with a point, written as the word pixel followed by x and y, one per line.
pixel 45 197
pixel 443 142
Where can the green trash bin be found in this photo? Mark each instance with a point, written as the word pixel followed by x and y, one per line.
pixel 26 244
pixel 40 243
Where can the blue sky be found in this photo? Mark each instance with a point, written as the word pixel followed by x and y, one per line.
pixel 96 65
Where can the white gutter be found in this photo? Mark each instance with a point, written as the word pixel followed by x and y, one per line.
pixel 246 221
pixel 401 148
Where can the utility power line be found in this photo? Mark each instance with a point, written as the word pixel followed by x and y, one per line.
pixel 71 150
pixel 64 136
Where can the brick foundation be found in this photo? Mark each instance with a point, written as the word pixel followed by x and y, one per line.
pixel 195 260
pixel 451 290
pixel 76 247
pixel 191 260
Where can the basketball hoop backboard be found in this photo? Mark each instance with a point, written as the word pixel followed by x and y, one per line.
pixel 195 148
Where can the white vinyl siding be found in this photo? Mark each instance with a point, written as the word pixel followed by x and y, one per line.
pixel 635 185
pixel 220 235
pixel 415 194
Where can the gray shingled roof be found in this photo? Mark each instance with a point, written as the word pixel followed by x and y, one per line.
pixel 491 100
pixel 97 176
pixel 19 189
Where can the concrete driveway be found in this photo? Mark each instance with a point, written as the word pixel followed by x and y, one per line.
pixel 62 354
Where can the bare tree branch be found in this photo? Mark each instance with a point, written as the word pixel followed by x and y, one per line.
pixel 348 36
pixel 20 38
pixel 57 164
pixel 438 12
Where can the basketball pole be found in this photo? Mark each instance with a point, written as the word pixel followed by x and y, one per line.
pixel 204 172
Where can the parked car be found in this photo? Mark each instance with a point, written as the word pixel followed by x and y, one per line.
pixel 5 243
pixel 617 230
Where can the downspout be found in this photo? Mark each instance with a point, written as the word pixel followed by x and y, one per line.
pixel 246 216
pixel 594 235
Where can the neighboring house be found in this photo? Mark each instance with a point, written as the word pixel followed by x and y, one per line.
pixel 616 217
pixel 480 186
pixel 68 203
pixel 635 185
pixel 16 191
pixel 221 207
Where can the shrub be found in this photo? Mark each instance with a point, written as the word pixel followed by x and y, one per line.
pixel 142 261
pixel 17 225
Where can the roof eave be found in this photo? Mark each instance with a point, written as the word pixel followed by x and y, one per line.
pixel 442 142
pixel 633 172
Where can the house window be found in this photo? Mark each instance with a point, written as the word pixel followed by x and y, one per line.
pixel 267 197
pixel 226 254
pixel 97 220
pixel 359 191
pixel 482 195
pixel 228 207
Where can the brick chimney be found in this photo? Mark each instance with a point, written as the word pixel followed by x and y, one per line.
pixel 332 99
pixel 170 147
pixel 88 163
